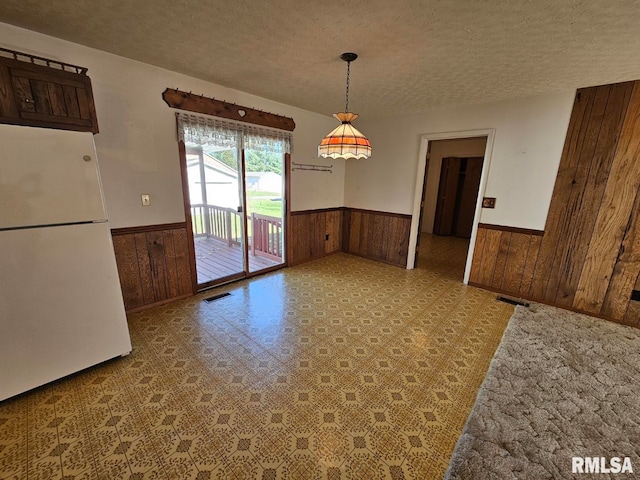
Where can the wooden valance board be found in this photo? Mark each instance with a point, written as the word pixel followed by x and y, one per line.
pixel 218 108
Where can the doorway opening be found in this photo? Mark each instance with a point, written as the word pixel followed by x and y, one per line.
pixel 457 191
pixel 450 178
pixel 234 191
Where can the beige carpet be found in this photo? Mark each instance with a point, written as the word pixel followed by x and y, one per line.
pixel 560 385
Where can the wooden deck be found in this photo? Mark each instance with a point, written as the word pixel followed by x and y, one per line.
pixel 214 259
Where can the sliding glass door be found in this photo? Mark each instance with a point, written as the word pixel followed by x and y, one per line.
pixel 264 187
pixel 215 198
pixel 235 199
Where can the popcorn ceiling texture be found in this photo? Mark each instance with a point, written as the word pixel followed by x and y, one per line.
pixel 414 55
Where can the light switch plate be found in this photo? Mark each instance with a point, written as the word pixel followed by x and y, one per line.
pixel 488 202
pixel 146 199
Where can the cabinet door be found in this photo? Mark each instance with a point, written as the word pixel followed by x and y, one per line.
pixel 41 96
pixel 52 99
pixel 8 106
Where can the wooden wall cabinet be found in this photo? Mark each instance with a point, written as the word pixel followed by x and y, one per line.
pixel 41 96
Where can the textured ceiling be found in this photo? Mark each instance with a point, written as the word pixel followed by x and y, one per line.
pixel 414 55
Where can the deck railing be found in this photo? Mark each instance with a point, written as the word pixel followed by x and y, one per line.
pixel 224 224
pixel 267 236
pixel 221 223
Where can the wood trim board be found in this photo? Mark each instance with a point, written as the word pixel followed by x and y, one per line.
pixel 504 228
pixel 218 108
pixel 147 228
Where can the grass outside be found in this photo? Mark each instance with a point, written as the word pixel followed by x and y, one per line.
pixel 265 203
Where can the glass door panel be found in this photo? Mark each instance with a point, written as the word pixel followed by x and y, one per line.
pixel 215 184
pixel 264 186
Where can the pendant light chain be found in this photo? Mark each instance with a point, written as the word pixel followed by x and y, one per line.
pixel 346 106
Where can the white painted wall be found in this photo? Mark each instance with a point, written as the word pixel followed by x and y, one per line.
pixel 137 146
pixel 529 136
pixel 460 147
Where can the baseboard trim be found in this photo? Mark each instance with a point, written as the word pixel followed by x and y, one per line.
pixel 157 304
pixel 316 257
pixel 537 300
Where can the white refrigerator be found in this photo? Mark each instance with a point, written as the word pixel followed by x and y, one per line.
pixel 61 307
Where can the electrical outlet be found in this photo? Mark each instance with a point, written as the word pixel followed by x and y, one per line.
pixel 146 199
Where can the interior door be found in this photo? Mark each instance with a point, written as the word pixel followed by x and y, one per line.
pixel 457 195
pixel 468 196
pixel 422 200
pixel 447 194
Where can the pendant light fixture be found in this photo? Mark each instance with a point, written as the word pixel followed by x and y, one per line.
pixel 345 141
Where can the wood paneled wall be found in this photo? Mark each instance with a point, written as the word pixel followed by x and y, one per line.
pixel 314 234
pixel 153 264
pixel 376 235
pixel 504 259
pixel 589 256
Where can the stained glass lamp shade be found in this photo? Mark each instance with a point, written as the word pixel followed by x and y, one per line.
pixel 345 141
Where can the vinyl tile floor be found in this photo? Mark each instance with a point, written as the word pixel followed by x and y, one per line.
pixel 339 368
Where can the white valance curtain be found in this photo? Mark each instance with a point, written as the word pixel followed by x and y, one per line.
pixel 206 130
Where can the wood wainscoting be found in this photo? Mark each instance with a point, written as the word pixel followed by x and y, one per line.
pixel 504 259
pixel 153 264
pixel 588 259
pixel 314 234
pixel 376 235
pixel 380 236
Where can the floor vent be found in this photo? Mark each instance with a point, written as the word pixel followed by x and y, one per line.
pixel 216 297
pixel 512 301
